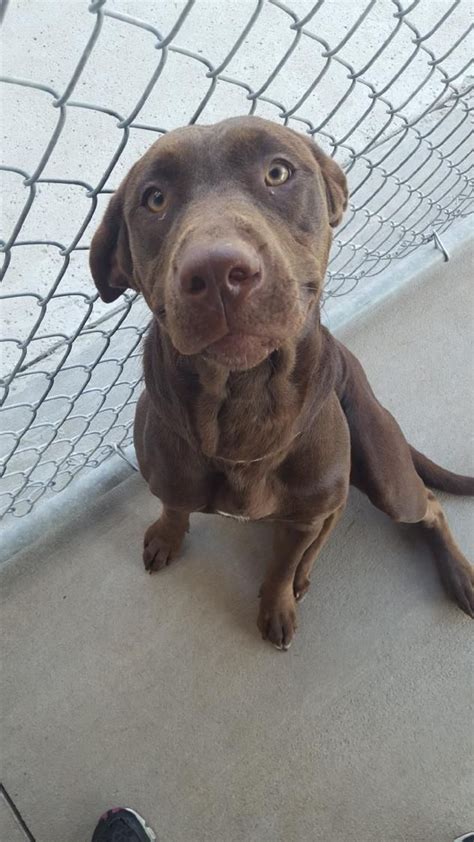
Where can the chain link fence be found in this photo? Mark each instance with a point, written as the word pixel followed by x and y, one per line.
pixel 382 86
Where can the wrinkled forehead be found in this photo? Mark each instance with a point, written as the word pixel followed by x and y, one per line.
pixel 235 141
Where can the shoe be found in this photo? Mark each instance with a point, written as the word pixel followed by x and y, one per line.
pixel 122 825
pixel 468 837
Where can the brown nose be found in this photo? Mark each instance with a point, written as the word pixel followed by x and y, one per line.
pixel 233 269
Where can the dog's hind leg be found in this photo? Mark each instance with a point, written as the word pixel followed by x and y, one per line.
pixel 383 467
pixel 395 487
pixel 455 571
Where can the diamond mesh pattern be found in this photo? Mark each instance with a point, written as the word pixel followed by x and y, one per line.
pixel 392 103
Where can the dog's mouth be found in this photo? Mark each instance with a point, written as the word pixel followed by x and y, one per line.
pixel 241 350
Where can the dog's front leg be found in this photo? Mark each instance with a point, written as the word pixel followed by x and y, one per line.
pixel 293 545
pixel 164 537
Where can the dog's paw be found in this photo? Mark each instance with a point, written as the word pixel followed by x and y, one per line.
pixel 460 583
pixel 160 546
pixel 300 587
pixel 277 621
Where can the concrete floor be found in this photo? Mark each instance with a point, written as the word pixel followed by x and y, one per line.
pixel 157 692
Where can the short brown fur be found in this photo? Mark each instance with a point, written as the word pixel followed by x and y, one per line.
pixel 251 407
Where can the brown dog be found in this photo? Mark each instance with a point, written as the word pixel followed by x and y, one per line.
pixel 251 407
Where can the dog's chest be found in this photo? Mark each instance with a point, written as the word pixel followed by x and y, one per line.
pixel 247 416
pixel 244 429
pixel 245 492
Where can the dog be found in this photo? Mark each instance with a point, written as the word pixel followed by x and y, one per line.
pixel 251 407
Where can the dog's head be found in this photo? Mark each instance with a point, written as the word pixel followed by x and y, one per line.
pixel 226 231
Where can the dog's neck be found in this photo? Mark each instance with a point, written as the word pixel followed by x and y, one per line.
pixel 241 416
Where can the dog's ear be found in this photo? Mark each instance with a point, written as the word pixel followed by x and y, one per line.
pixel 110 260
pixel 335 183
pixel 337 192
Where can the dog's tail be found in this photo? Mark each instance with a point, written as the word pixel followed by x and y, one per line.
pixel 434 476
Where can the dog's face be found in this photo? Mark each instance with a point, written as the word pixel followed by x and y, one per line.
pixel 226 231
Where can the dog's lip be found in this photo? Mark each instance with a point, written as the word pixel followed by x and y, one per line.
pixel 239 344
pixel 240 351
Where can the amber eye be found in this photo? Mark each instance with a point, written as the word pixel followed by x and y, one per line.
pixel 155 201
pixel 278 173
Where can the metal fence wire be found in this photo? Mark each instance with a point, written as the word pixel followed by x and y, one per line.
pixel 382 86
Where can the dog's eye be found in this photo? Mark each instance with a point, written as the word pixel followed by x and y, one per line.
pixel 278 173
pixel 155 201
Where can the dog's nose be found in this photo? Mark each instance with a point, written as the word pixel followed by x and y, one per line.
pixel 233 269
